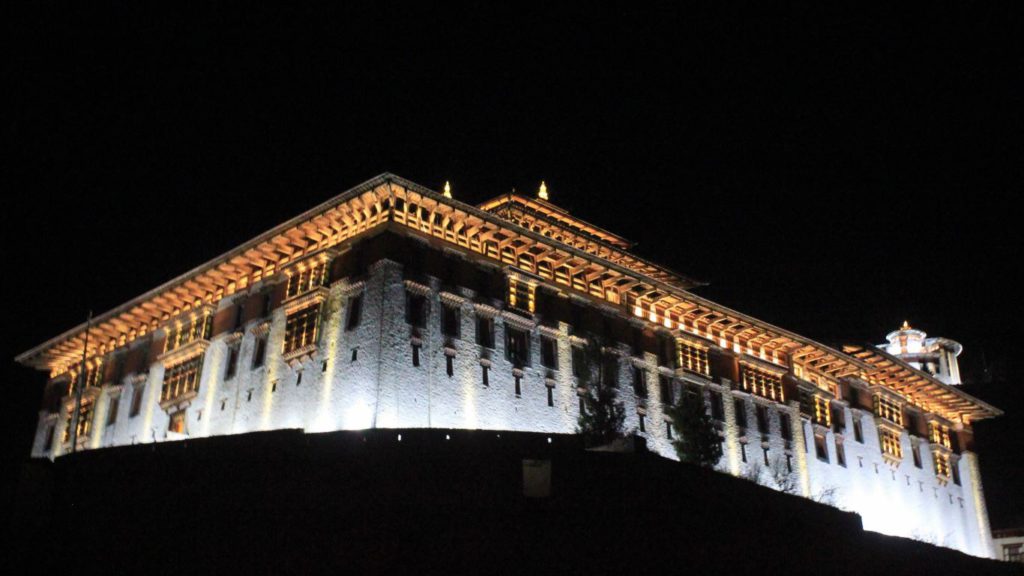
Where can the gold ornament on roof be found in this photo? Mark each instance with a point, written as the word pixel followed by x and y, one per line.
pixel 543 192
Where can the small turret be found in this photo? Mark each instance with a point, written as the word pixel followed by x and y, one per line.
pixel 936 356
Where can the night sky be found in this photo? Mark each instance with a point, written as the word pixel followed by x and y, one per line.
pixel 833 174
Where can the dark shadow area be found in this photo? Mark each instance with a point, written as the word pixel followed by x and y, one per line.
pixel 287 502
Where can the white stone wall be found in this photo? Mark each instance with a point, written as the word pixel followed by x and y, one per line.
pixel 379 387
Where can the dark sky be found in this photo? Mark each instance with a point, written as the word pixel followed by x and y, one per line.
pixel 831 173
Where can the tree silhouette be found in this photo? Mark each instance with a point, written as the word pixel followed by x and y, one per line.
pixel 603 418
pixel 696 441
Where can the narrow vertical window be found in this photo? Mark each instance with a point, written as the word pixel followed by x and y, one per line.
pixel 665 390
pixel 717 407
pixel 484 376
pixel 551 395
pixel 416 355
pixel 485 331
pixel 517 346
pixel 519 387
pixel 743 451
pixel 840 454
pixel 450 321
pixel 136 400
pixel 639 382
pixel 259 354
pixel 355 312
pixel 449 365
pixel 415 310
pixel 232 366
pixel 741 413
pixel 549 352
pixel 858 430
pixel 641 418
pixel 668 430
pixel 112 405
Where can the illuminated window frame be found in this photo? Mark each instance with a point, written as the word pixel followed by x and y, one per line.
pixel 938 434
pixel 301 329
pixel 522 295
pixel 693 358
pixel 182 333
pixel 181 379
pixel 84 424
pixel 761 382
pixel 822 412
pixel 305 280
pixel 889 441
pixel 889 409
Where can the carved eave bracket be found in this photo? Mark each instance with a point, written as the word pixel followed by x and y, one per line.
pixel 314 296
pixel 295 357
pixel 178 403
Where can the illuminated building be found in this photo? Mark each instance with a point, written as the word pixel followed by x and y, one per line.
pixel 395 306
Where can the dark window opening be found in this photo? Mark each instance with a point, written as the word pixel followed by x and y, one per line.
pixel 642 418
pixel 717 407
pixel 519 388
pixel 743 451
pixel 355 354
pixel 578 361
pixel 741 414
pixel 486 380
pixel 298 378
pixel 665 389
pixel 485 331
pixel 136 401
pixel 355 312
pixel 785 427
pixel 415 310
pixel 668 430
pixel 260 353
pixel 761 414
pixel 232 368
pixel 416 355
pixel 112 406
pixel 551 396
pixel 858 430
pixel 820 448
pixel 517 347
pixel 916 451
pixel 840 454
pixel 549 352
pixel 449 365
pixel 450 321
pixel 639 382
pixel 765 450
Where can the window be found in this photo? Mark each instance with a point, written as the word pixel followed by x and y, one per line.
pixel 820 448
pixel 761 414
pixel 915 450
pixel 665 390
pixel 416 310
pixel 551 395
pixel 838 419
pixel 890 442
pixel 693 359
pixel 938 434
pixel 485 331
pixel 579 362
pixel 840 454
pixel 300 330
pixel 641 418
pixel 48 442
pixel 765 451
pixel 549 352
pixel 84 425
pixel 889 409
pixel 112 405
pixel 136 406
pixel 484 369
pixel 450 321
pixel 304 280
pixel 741 413
pixel 639 382
pixel 521 295
pixel 517 346
pixel 185 332
pixel 743 451
pixel 267 305
pixel 822 412
pixel 416 355
pixel 785 427
pixel 761 382
pixel 1013 552
pixel 955 469
pixel 858 429
pixel 177 423
pixel 668 429
pixel 232 366
pixel 519 384
pixel 717 407
pixel 181 379
pixel 355 312
pixel 449 365
pixel 259 353
pixel 941 464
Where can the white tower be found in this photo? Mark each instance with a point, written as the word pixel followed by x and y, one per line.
pixel 936 356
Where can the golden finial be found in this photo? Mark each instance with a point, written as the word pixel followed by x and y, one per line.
pixel 543 192
pixel 447 189
pixel 906 325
